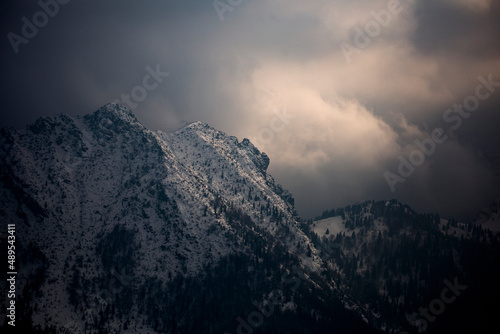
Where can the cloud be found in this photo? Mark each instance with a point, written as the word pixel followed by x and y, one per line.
pixel 325 126
pixel 352 119
pixel 475 5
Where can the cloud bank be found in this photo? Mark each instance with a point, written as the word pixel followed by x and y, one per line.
pixel 351 113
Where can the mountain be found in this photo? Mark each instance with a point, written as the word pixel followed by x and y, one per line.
pixel 416 272
pixel 489 218
pixel 121 229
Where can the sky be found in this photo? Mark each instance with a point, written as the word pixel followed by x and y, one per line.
pixel 351 100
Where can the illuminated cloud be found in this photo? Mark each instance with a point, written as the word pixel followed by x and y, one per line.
pixel 352 119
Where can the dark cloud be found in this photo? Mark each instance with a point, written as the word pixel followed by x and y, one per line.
pixel 458 29
pixel 351 120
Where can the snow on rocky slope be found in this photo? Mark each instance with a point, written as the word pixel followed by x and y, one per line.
pixel 67 183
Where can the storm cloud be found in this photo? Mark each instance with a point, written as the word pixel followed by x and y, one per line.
pixel 333 91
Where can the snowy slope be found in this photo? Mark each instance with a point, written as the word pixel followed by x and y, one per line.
pixel 399 257
pixel 489 218
pixel 102 198
pixel 121 229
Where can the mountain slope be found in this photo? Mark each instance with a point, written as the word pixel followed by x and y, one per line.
pixel 396 263
pixel 122 229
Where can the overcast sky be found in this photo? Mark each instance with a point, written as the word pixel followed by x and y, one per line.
pixel 354 83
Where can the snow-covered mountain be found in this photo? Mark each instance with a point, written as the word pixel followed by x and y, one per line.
pixel 120 229
pixel 397 263
pixel 103 207
pixel 489 218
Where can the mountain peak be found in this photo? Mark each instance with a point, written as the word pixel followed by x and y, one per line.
pixel 197 126
pixel 113 118
pixel 113 110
